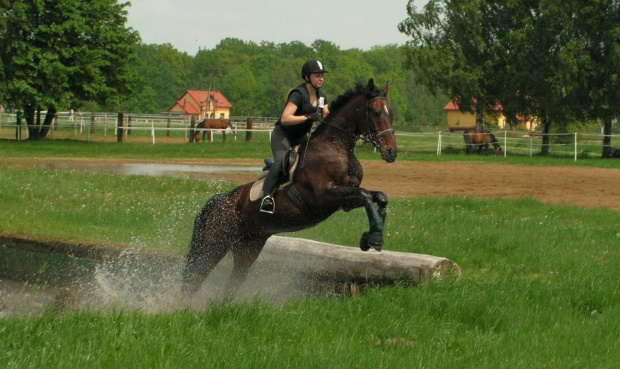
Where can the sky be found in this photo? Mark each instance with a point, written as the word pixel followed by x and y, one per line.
pixel 190 25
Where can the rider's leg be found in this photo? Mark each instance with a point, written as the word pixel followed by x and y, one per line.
pixel 279 146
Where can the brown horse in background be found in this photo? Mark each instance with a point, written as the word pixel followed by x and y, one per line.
pixel 327 180
pixel 211 124
pixel 481 139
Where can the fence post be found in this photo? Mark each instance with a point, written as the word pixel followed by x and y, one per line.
pixel 505 143
pixel 18 127
pixel 168 124
pixel 575 146
pixel 192 125
pixel 105 124
pixel 439 144
pixel 119 128
pixel 248 126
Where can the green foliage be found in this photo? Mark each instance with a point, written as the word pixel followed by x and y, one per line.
pixel 552 59
pixel 539 287
pixel 58 53
pixel 256 78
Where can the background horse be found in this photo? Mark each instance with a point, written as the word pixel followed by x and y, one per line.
pixel 481 139
pixel 208 124
pixel 326 180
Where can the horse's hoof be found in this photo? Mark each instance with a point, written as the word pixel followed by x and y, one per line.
pixel 371 239
pixel 364 246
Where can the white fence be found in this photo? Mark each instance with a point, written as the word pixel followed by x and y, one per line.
pixel 156 128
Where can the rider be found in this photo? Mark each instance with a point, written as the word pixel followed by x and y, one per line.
pixel 305 105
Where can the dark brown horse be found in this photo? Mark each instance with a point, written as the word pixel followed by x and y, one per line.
pixel 326 180
pixel 208 125
pixel 480 139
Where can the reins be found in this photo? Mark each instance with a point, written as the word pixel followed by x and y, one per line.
pixel 373 136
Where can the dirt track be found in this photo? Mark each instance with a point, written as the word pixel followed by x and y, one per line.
pixel 588 187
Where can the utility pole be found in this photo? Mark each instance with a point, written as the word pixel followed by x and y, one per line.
pixel 212 89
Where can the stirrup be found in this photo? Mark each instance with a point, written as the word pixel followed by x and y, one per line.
pixel 268 205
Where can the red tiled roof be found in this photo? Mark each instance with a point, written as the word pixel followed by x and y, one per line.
pixel 451 106
pixel 188 108
pixel 201 97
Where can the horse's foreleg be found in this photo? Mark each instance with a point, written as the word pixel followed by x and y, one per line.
pixel 245 253
pixel 381 200
pixel 376 218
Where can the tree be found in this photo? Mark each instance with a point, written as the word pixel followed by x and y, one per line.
pixel 452 49
pixel 164 74
pixel 59 53
pixel 597 39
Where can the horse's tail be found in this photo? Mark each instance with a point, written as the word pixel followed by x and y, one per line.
pixel 197 254
pixel 466 137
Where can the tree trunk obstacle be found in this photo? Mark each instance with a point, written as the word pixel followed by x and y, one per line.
pixel 282 257
pixel 341 263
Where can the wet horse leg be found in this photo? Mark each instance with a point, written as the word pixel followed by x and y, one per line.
pixel 245 252
pixel 207 248
pixel 376 218
pixel 199 264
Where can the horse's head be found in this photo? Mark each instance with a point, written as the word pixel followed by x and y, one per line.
pixel 379 116
pixel 498 150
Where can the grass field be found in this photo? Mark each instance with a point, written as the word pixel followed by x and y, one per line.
pixel 540 286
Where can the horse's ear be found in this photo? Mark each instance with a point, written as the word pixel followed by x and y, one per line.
pixel 386 88
pixel 371 84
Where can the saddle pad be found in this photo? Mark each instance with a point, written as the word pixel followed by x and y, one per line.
pixel 256 192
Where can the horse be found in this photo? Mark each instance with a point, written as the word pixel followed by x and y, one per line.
pixel 326 180
pixel 481 139
pixel 211 124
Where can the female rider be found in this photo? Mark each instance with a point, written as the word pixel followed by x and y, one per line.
pixel 305 104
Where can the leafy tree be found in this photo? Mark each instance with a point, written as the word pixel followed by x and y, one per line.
pixel 167 71
pixel 59 53
pixel 597 76
pixel 452 49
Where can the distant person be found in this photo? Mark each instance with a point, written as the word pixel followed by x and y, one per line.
pixel 306 104
pixel 71 115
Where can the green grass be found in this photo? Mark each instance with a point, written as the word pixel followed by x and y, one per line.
pixel 540 286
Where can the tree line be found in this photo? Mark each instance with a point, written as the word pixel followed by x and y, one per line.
pixel 556 60
pixel 256 77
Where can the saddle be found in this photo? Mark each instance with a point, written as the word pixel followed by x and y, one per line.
pixel 289 163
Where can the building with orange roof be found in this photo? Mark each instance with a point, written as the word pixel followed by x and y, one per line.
pixel 458 120
pixel 202 104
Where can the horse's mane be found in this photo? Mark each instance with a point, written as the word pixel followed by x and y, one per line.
pixel 358 90
pixel 345 98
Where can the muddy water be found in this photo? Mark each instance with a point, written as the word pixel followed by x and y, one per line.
pixel 133 281
pixel 150 169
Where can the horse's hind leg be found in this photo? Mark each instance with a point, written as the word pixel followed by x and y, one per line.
pixel 206 251
pixel 199 263
pixel 244 254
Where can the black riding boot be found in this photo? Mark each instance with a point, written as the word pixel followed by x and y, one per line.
pixel 268 204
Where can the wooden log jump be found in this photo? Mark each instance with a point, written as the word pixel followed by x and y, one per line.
pixel 285 255
pixel 333 262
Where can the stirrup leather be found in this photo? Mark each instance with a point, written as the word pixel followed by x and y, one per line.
pixel 268 205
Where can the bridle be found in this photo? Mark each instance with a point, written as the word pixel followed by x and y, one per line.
pixel 373 136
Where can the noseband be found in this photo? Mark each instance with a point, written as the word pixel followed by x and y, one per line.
pixel 374 137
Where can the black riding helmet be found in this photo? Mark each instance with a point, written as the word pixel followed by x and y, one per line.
pixel 312 66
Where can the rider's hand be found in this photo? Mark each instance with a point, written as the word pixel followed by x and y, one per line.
pixel 315 117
